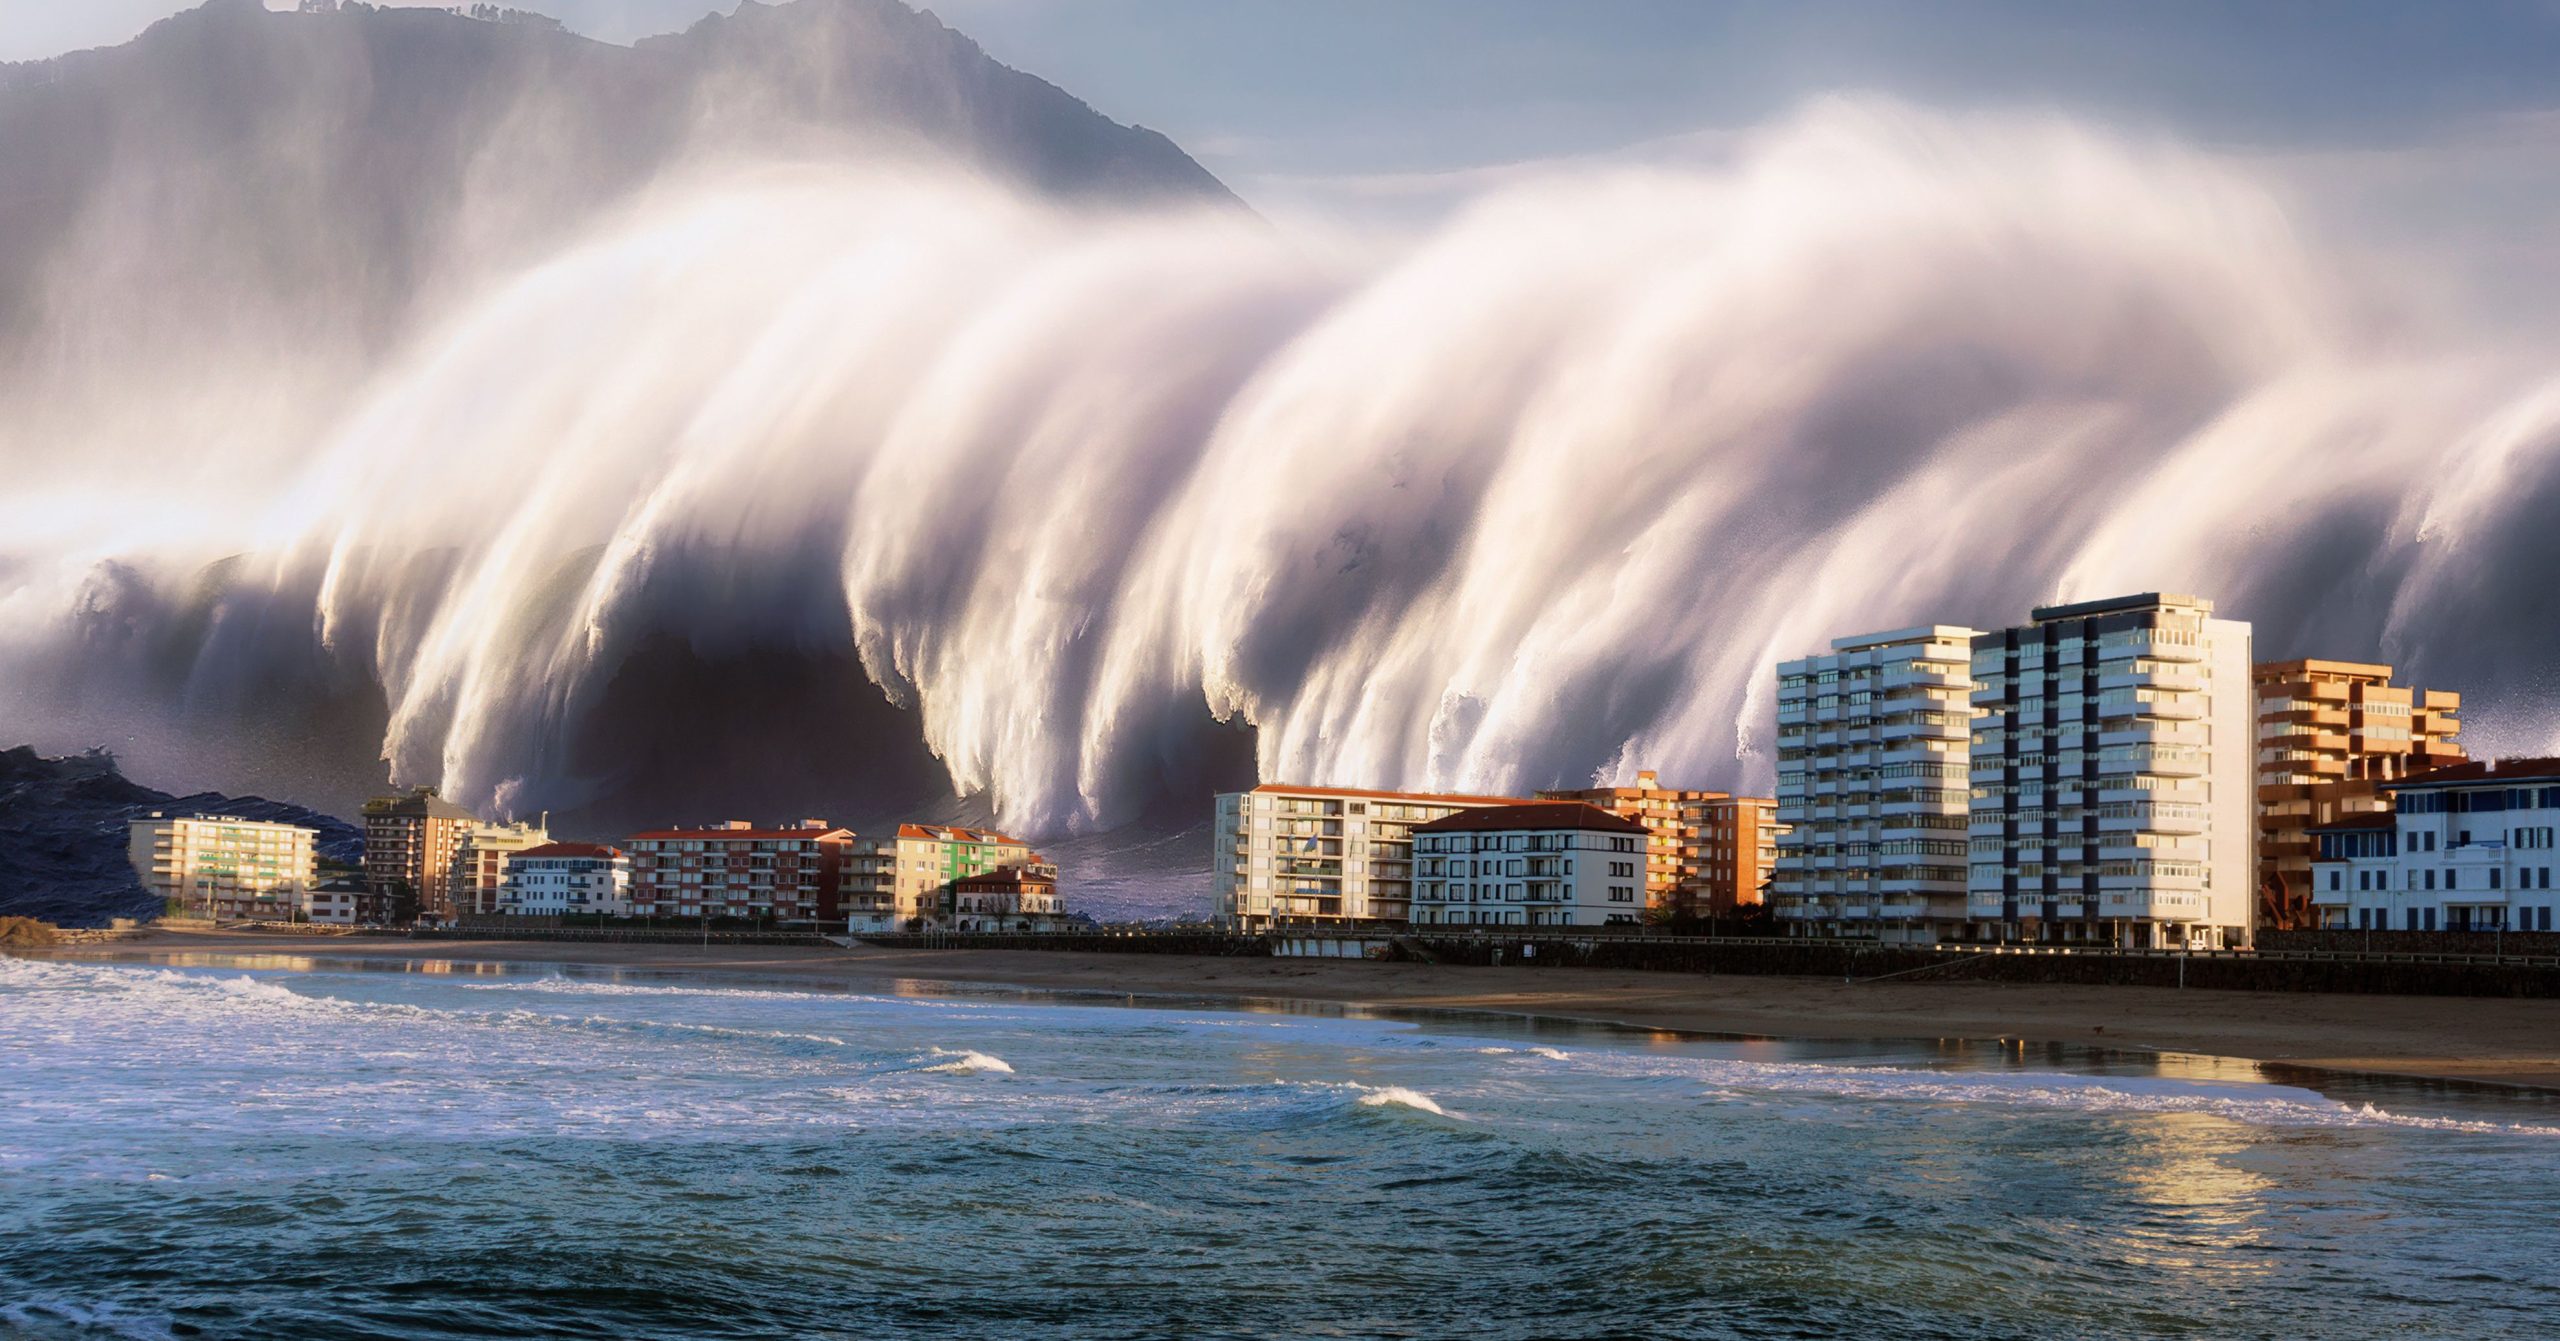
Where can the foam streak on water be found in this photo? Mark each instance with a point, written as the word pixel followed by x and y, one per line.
pixel 404 1155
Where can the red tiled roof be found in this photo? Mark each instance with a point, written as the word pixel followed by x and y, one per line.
pixel 953 833
pixel 1531 815
pixel 727 835
pixel 568 850
pixel 1367 795
pixel 2482 771
pixel 1008 876
pixel 2380 819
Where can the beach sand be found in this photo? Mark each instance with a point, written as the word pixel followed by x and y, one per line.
pixel 2489 1040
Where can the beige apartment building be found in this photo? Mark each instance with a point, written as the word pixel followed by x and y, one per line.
pixel 906 879
pixel 1670 816
pixel 480 864
pixel 1287 855
pixel 2329 734
pixel 219 866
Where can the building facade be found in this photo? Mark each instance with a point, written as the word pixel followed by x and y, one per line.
pixel 2329 734
pixel 1874 740
pixel 480 864
pixel 905 880
pixel 557 879
pixel 1019 897
pixel 2114 778
pixel 2466 847
pixel 219 866
pixel 1540 864
pixel 1734 852
pixel 412 843
pixel 1675 864
pixel 1288 855
pixel 736 871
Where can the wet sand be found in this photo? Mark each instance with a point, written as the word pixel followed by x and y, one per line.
pixel 2489 1040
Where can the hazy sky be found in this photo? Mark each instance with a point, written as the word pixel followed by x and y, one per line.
pixel 1332 101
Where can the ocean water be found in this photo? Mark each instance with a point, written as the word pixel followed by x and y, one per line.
pixel 286 1148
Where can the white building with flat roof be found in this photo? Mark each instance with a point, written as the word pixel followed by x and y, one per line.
pixel 221 866
pixel 2114 777
pixel 561 878
pixel 1544 864
pixel 2464 848
pixel 1322 856
pixel 1874 787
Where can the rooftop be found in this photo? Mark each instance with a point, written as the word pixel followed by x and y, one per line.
pixel 1453 798
pixel 2148 600
pixel 2375 819
pixel 571 850
pixel 2482 773
pixel 953 833
pixel 1531 815
pixel 724 834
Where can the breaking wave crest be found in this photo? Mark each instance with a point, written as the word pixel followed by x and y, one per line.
pixel 1535 498
pixel 965 1063
pixel 1397 1096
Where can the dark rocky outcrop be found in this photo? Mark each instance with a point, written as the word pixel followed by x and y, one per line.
pixel 63 835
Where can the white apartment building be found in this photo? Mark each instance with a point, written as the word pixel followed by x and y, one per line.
pixel 559 878
pixel 2466 848
pixel 1874 790
pixel 1322 856
pixel 221 866
pixel 2114 777
pixel 1543 864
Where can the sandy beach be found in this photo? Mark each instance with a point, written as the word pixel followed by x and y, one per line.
pixel 2497 1041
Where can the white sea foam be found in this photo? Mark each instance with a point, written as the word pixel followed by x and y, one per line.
pixel 965 1062
pixel 1397 1096
pixel 2255 1105
pixel 48 1316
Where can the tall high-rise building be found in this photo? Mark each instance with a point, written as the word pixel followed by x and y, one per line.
pixel 2114 776
pixel 2329 734
pixel 218 866
pixel 1670 816
pixel 411 845
pixel 1322 856
pixel 1873 786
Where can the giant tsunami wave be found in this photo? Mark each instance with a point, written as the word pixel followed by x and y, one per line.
pixel 1533 498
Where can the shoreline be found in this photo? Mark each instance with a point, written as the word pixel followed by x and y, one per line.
pixel 2474 1040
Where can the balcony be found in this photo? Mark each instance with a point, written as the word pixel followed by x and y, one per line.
pixel 1947 675
pixel 2154 733
pixel 2176 679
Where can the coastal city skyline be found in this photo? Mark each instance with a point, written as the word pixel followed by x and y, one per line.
pixel 1501 670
